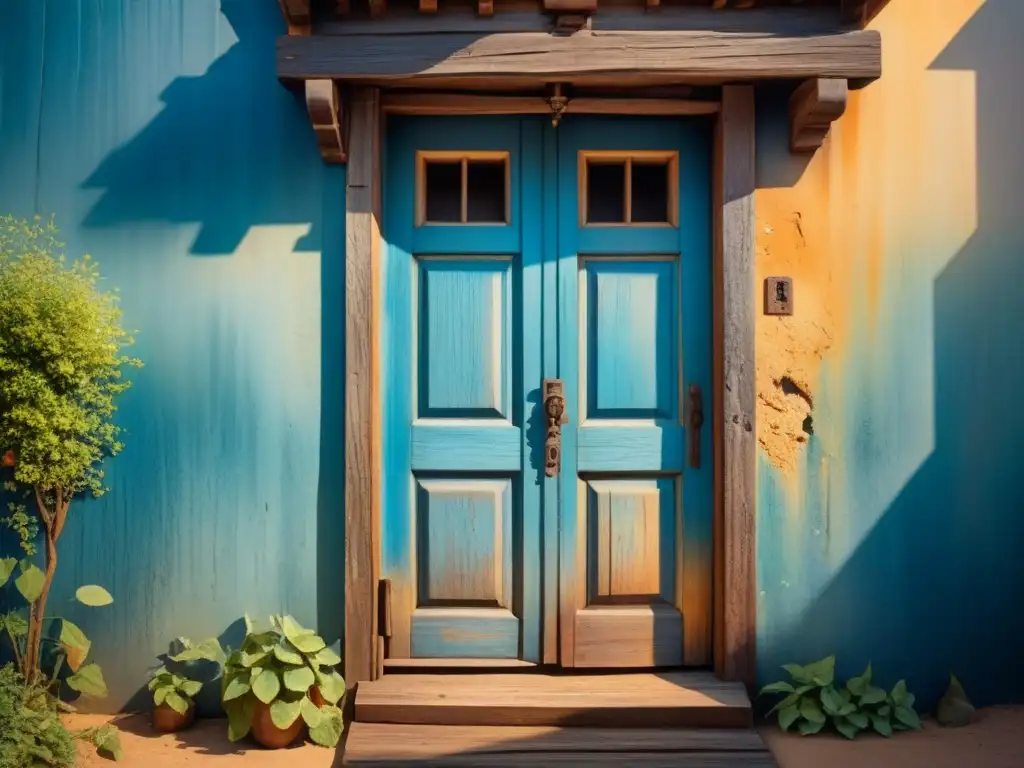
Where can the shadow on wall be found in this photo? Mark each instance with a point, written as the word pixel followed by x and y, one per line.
pixel 937 586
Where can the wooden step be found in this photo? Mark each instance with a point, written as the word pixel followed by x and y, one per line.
pixel 640 700
pixel 493 746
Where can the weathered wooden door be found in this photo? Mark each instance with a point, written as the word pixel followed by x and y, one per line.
pixel 634 352
pixel 519 253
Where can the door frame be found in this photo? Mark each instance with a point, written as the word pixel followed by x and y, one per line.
pixel 733 423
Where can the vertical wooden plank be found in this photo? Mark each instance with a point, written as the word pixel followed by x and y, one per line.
pixel 736 586
pixel 362 444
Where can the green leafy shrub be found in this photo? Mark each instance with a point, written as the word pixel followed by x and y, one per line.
pixel 280 667
pixel 812 701
pixel 31 734
pixel 173 690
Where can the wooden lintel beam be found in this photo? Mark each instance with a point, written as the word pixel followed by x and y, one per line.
pixel 570 6
pixel 700 55
pixel 854 12
pixel 296 15
pixel 397 103
pixel 813 107
pixel 323 102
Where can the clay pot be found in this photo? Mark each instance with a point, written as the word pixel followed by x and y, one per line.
pixel 7 460
pixel 166 720
pixel 269 735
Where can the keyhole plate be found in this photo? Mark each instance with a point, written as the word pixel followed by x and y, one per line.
pixel 778 296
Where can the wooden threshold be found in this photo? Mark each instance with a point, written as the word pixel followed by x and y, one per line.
pixel 435 745
pixel 474 664
pixel 640 700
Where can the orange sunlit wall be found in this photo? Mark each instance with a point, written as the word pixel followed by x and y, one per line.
pixel 891 522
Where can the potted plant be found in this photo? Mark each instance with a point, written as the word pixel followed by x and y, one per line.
pixel 173 707
pixel 281 681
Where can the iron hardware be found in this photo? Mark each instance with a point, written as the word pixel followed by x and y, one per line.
pixel 553 400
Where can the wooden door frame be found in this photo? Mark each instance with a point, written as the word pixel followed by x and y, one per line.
pixel 734 432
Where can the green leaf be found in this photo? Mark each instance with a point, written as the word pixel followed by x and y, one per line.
pixel 859 719
pixel 788 716
pixel 332 687
pixel 908 717
pixel 327 658
pixel 160 677
pixel 238 686
pixel 299 679
pixel 308 643
pixel 30 582
pixel 857 685
pixel 284 712
pixel 899 692
pixel 88 680
pixel 239 712
pixel 160 694
pixel 286 654
pixel 810 710
pixel 770 688
pixel 292 629
pixel 327 732
pixel 191 687
pixel 93 595
pixel 14 623
pixel 881 725
pixel 6 569
pixel 176 702
pixel 845 727
pixel 885 711
pixel 809 727
pixel 251 658
pixel 310 712
pixel 872 695
pixel 208 650
pixel 822 672
pixel 797 672
pixel 266 686
pixel 108 741
pixel 831 700
pixel 75 644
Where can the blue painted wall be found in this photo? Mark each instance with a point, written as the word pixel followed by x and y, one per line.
pixel 158 135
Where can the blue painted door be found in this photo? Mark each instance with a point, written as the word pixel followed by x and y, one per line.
pixel 502 270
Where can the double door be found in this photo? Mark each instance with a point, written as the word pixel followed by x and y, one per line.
pixel 545 354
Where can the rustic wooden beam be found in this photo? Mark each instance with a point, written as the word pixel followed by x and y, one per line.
pixel 853 12
pixel 362 387
pixel 471 104
pixel 735 388
pixel 700 55
pixel 296 16
pixel 570 6
pixel 326 114
pixel 813 107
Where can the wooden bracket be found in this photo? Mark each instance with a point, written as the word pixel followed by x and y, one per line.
pixel 854 12
pixel 296 15
pixel 813 107
pixel 323 102
pixel 569 24
pixel 585 7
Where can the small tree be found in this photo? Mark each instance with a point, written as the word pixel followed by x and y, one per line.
pixel 61 366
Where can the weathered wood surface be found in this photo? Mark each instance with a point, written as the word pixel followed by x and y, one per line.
pixel 669 699
pixel 325 113
pixel 813 107
pixel 736 584
pixel 373 743
pixel 470 104
pixel 697 54
pixel 362 462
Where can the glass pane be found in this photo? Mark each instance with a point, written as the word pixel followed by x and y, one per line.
pixel 485 182
pixel 444 191
pixel 650 193
pixel 606 192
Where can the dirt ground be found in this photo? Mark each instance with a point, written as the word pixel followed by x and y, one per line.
pixel 996 740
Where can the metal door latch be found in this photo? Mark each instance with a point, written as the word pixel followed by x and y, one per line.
pixel 553 400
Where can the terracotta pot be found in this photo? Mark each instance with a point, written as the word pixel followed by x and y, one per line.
pixel 7 460
pixel 166 720
pixel 316 698
pixel 269 735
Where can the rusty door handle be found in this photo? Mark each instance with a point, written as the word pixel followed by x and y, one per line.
pixel 553 402
pixel 696 422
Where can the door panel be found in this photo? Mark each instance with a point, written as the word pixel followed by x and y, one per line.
pixel 634 335
pixel 460 356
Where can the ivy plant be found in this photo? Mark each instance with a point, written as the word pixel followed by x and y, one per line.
pixel 813 701
pixel 175 691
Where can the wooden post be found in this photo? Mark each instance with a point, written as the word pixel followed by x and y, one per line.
pixel 362 401
pixel 735 385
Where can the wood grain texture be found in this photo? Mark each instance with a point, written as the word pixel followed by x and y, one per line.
pixel 424 665
pixel 472 104
pixel 370 743
pixel 677 699
pixel 702 55
pixel 736 584
pixel 813 107
pixel 362 459
pixel 630 636
pixel 325 113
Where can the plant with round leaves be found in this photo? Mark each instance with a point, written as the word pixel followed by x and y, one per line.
pixel 174 691
pixel 284 667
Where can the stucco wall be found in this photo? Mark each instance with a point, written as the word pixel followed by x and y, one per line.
pixel 890 522
pixel 158 134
